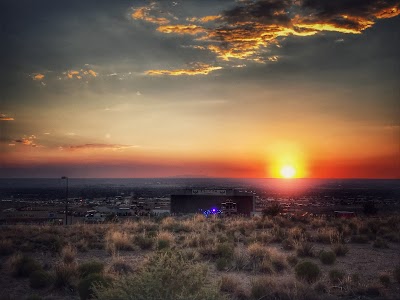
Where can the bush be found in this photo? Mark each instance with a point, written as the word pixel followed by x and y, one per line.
pixel 64 275
pixel 292 260
pixel 91 267
pixel 86 285
pixel 167 275
pixel 222 263
pixel 273 209
pixel 307 271
pixel 340 249
pixel 40 279
pixel 229 284
pixel 304 249
pixel 145 243
pixel 225 250
pixel 327 257
pixel 336 276
pixel 121 267
pixel 68 254
pixel 23 266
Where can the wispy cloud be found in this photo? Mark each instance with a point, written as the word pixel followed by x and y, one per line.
pixel 99 147
pixel 4 117
pixel 38 76
pixel 27 141
pixel 150 13
pixel 199 69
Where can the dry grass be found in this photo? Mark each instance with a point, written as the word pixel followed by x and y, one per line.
pixel 117 240
pixel 68 254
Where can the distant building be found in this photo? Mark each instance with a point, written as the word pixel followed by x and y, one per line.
pixel 199 200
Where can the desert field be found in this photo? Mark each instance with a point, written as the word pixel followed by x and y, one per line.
pixel 194 257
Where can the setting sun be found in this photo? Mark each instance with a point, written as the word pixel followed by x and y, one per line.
pixel 288 172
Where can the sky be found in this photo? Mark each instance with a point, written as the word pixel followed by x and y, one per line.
pixel 211 88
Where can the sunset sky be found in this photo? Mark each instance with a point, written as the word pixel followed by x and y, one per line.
pixel 216 88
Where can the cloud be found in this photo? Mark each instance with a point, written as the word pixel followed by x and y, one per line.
pixel 99 147
pixel 182 29
pixel 246 31
pixel 205 19
pixel 4 117
pixel 147 13
pixel 27 141
pixel 199 69
pixel 38 76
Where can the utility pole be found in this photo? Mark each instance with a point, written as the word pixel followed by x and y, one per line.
pixel 66 200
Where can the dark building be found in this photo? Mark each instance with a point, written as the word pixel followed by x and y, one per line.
pixel 198 200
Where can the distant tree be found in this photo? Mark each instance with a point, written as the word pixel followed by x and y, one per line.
pixel 272 210
pixel 370 208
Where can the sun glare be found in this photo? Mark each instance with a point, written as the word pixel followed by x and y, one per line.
pixel 288 171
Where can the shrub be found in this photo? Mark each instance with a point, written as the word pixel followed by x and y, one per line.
pixel 121 267
pixel 222 263
pixel 145 243
pixel 23 266
pixel 40 279
pixel 270 288
pixel 65 275
pixel 336 276
pixel 86 285
pixel 340 249
pixel 327 257
pixel 68 254
pixel 307 271
pixel 292 260
pixel 273 209
pixel 167 275
pixel 6 247
pixel 288 244
pixel 164 240
pixel 241 258
pixel 379 243
pixel 91 267
pixel 225 250
pixel 229 284
pixel 260 287
pixel 116 240
pixel 305 248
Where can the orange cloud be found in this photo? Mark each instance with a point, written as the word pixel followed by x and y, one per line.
pixel 143 13
pixel 71 74
pixel 182 29
pixel 4 117
pixel 38 76
pixel 100 147
pixel 27 141
pixel 200 69
pixel 205 19
pixel 93 73
pixel 245 30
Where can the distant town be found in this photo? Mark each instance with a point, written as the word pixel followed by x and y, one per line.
pixel 35 205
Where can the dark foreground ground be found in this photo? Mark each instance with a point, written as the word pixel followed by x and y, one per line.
pixel 204 258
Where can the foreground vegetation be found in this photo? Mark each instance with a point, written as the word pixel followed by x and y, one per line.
pixel 193 257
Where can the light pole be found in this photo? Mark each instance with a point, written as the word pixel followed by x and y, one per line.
pixel 66 200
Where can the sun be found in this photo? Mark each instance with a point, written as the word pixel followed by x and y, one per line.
pixel 288 171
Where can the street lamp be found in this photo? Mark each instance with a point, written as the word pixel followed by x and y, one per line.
pixel 66 200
